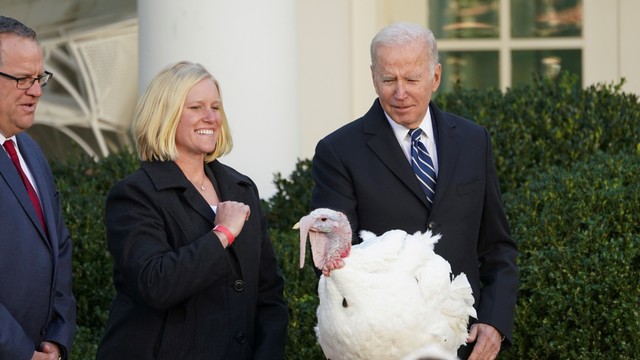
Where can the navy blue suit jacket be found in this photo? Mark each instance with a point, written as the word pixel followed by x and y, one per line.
pixel 361 170
pixel 36 301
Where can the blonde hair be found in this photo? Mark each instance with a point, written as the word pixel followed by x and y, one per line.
pixel 158 113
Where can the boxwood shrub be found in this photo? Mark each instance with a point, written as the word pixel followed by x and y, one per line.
pixel 549 123
pixel 578 232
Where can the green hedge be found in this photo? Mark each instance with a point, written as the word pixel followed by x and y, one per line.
pixel 578 232
pixel 575 219
pixel 284 209
pixel 549 123
pixel 301 289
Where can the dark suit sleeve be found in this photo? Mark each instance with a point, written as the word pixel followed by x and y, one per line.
pixel 14 342
pixel 62 328
pixel 497 253
pixel 333 185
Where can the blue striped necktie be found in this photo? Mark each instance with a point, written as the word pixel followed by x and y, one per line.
pixel 422 165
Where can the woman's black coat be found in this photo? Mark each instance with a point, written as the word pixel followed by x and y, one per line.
pixel 179 293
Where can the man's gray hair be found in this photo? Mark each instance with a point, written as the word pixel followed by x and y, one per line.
pixel 403 33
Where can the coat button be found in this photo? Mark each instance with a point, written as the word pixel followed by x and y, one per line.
pixel 241 338
pixel 238 285
pixel 432 225
pixel 43 331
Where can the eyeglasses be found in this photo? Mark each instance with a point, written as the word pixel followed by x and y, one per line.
pixel 26 83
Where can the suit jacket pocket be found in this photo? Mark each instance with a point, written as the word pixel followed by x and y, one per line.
pixel 463 189
pixel 172 337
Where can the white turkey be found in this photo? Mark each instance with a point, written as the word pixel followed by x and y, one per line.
pixel 393 296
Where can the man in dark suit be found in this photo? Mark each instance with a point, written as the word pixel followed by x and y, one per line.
pixel 364 169
pixel 37 307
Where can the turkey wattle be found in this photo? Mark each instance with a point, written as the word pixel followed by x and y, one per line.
pixel 393 296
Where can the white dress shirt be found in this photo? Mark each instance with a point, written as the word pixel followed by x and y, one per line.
pixel 404 139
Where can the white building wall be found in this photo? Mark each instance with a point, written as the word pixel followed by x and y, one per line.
pixel 601 52
pixel 324 70
pixel 630 44
pixel 612 50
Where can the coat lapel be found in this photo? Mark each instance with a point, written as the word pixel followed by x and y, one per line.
pixel 447 151
pixel 13 180
pixel 385 145
pixel 227 182
pixel 231 185
pixel 167 174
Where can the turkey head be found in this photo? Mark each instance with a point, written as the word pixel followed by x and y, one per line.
pixel 329 233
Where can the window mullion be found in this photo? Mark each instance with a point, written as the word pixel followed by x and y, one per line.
pixel 504 49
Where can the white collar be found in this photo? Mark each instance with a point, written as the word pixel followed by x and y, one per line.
pixel 402 132
pixel 3 139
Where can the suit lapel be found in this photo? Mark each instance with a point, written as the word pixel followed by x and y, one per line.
pixel 16 185
pixel 447 151
pixel 384 144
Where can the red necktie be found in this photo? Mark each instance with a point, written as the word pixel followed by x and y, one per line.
pixel 11 150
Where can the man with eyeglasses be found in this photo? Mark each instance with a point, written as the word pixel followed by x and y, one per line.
pixel 37 306
pixel 25 83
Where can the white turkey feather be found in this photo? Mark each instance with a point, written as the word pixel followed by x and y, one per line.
pixel 393 296
pixel 430 352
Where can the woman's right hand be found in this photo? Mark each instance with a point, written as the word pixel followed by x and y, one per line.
pixel 232 215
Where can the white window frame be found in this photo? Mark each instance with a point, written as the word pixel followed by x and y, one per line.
pixel 505 44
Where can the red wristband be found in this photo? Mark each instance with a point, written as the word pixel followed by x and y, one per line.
pixel 226 232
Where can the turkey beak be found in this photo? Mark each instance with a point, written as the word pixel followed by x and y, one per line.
pixel 296 226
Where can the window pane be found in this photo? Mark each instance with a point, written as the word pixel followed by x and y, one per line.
pixel 471 69
pixel 544 62
pixel 546 18
pixel 452 19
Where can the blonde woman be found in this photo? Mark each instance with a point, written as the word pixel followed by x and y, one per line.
pixel 194 270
